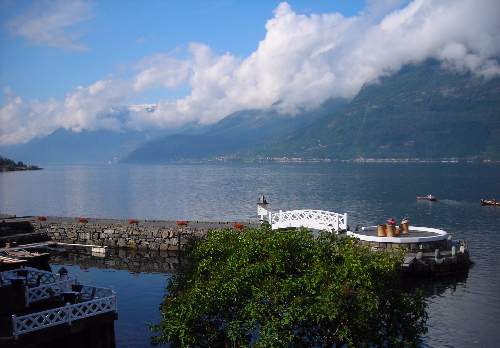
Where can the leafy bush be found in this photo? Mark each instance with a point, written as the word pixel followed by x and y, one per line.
pixel 288 288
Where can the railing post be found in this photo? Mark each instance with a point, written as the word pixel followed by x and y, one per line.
pixel 26 295
pixel 114 301
pixel 14 326
pixel 67 309
pixel 345 220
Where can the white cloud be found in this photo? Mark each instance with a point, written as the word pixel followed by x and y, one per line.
pixel 161 70
pixel 49 23
pixel 92 107
pixel 302 61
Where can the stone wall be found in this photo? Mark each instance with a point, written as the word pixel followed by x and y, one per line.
pixel 18 231
pixel 143 235
pixel 427 246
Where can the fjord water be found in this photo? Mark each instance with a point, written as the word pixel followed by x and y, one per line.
pixel 463 311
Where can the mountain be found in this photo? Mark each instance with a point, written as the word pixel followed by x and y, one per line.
pixel 423 111
pixel 64 146
pixel 231 136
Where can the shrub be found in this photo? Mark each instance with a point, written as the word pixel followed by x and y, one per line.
pixel 288 288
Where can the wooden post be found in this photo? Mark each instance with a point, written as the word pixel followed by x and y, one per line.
pixel 26 295
pixel 114 300
pixel 14 326
pixel 67 309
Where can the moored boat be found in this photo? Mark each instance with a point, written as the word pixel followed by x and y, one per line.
pixel 493 202
pixel 429 197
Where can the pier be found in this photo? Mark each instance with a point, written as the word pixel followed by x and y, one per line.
pixel 40 306
pixel 428 251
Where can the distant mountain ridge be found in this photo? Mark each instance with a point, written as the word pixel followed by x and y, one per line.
pixel 231 137
pixel 423 111
pixel 86 147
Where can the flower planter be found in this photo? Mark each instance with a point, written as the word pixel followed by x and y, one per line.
pixel 181 223
pixel 397 231
pixel 133 222
pixel 391 230
pixel 42 218
pixel 83 220
pixel 238 226
pixel 404 227
pixel 381 231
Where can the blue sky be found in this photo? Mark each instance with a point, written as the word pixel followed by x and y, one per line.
pixel 120 33
pixel 89 65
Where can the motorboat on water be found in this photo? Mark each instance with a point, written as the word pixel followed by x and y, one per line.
pixel 429 197
pixel 493 202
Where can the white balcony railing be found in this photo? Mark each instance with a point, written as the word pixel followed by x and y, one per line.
pixel 104 301
pixel 315 219
pixel 46 291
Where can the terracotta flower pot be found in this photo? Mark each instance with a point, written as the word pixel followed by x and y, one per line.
pixel 405 228
pixel 381 231
pixel 42 218
pixel 133 222
pixel 83 220
pixel 238 226
pixel 397 231
pixel 181 223
pixel 390 230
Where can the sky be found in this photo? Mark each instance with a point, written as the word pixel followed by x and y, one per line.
pixel 87 65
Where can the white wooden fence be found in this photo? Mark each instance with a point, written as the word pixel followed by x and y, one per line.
pixel 91 300
pixel 315 219
pixel 104 301
pixel 46 291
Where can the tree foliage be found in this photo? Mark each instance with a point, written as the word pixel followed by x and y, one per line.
pixel 288 288
pixel 7 165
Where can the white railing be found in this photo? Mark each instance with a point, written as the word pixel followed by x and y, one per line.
pixel 65 315
pixel 33 275
pixel 315 219
pixel 40 285
pixel 46 291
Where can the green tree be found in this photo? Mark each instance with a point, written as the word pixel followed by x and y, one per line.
pixel 288 288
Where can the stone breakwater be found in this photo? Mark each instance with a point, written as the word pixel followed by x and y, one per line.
pixel 136 234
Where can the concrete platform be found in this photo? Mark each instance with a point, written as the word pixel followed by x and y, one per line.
pixel 416 235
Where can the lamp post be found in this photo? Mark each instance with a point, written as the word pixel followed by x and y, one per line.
pixel 262 210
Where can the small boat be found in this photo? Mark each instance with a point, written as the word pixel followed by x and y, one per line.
pixel 429 197
pixel 493 202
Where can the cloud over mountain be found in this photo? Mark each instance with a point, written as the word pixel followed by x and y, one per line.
pixel 302 61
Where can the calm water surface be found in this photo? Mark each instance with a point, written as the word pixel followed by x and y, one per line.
pixel 463 311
